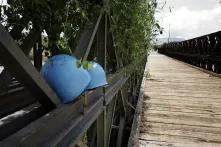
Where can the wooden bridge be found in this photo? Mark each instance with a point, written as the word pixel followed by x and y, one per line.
pixel 181 106
pixel 176 104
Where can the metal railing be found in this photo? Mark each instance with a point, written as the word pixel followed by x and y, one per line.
pixel 204 51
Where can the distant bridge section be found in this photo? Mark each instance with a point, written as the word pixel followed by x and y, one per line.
pixel 204 51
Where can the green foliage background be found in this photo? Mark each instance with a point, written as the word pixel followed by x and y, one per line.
pixel 132 23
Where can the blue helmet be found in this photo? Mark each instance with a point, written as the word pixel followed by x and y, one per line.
pixel 63 75
pixel 98 76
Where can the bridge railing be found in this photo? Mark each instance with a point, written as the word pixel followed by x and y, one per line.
pixel 103 115
pixel 204 51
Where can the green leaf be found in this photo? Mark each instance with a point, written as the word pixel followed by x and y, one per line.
pixel 78 64
pixel 85 64
pixel 89 66
pixel 157 25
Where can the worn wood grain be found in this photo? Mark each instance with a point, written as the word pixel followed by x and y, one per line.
pixel 182 106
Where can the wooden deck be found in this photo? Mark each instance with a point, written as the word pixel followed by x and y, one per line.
pixel 182 106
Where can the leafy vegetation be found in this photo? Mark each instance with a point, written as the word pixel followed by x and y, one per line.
pixel 132 23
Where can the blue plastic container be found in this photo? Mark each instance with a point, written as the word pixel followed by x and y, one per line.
pixel 62 74
pixel 98 76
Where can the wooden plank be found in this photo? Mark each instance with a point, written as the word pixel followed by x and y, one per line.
pixel 175 108
pixel 15 121
pixel 17 63
pixel 182 141
pixel 181 106
pixel 15 101
pixel 198 103
pixel 171 142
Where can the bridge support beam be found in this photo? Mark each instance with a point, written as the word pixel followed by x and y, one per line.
pixel 17 63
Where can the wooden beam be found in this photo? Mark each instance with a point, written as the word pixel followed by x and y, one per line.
pixel 5 78
pixel 101 129
pixel 85 40
pixel 113 42
pixel 115 89
pixel 15 122
pixel 105 43
pixel 123 103
pixel 100 43
pixel 64 126
pixel 16 62
pixel 91 135
pixel 135 130
pixel 111 65
pixel 110 116
pixel 15 101
pixel 120 131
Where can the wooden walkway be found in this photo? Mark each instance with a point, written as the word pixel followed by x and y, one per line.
pixel 182 106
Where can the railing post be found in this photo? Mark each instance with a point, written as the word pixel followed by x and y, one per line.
pixel 101 52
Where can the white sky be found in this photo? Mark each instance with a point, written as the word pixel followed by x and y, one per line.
pixel 3 2
pixel 189 18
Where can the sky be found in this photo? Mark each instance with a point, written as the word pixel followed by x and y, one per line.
pixel 3 2
pixel 189 18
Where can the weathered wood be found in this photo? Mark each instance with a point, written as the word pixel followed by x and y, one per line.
pixel 17 63
pixel 86 38
pixel 111 60
pixel 135 130
pixel 105 41
pixel 15 101
pixel 20 119
pixel 120 132
pixel 110 116
pixel 5 78
pixel 123 107
pixel 65 125
pixel 181 106
pixel 100 43
pixel 101 129
pixel 91 135
pixel 205 133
